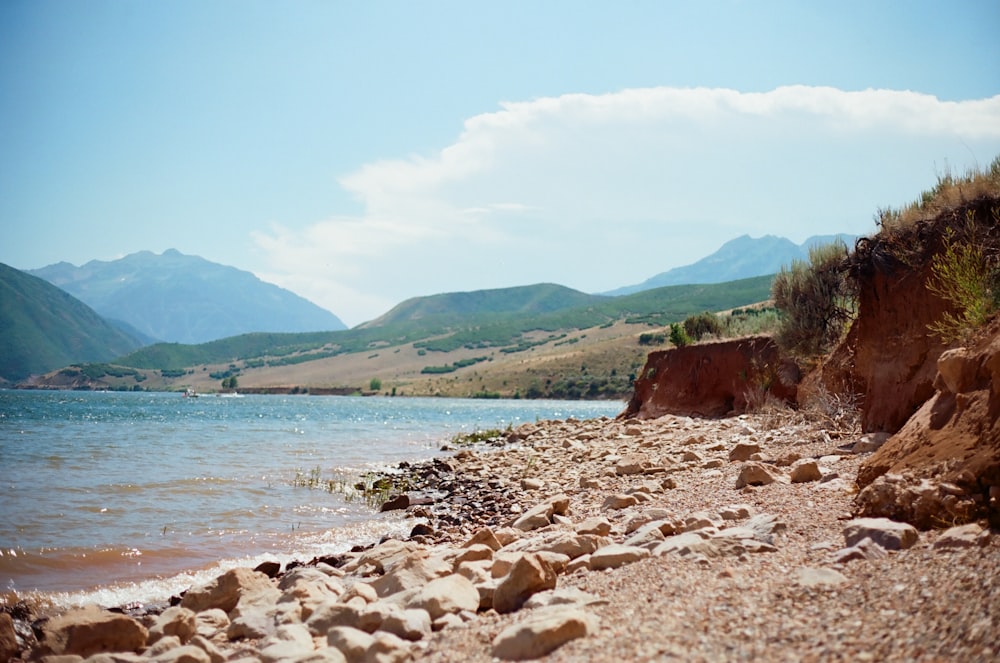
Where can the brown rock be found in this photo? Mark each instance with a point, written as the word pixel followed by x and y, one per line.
pixel 742 451
pixel 175 621
pixel 90 630
pixel 8 638
pixel 615 555
pixel 453 593
pixel 805 470
pixel 889 534
pixel 753 473
pixel 484 536
pixel 396 502
pixel 528 575
pixel 224 592
pixel 539 635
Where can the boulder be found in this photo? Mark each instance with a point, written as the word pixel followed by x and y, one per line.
pixel 615 555
pixel 963 536
pixel 541 634
pixel 352 643
pixel 410 624
pixel 176 621
pixel 450 594
pixel 742 451
pixel 90 630
pixel 225 591
pixel 528 575
pixel 754 473
pixel 8 638
pixel 889 534
pixel 411 572
pixel 619 501
pixel 183 654
pixel 805 470
pixel 483 536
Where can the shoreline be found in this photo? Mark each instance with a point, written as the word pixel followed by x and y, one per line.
pixel 653 550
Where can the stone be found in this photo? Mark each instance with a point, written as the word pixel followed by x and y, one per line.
pixel 819 578
pixel 352 643
pixel 531 484
pixel 650 533
pixel 362 590
pixel 164 644
pixel 395 503
pixel 742 451
pixel 889 534
pixel 765 526
pixel 207 646
pixel 736 512
pixel 270 569
pixel 183 654
pixel 210 622
pixel 283 650
pixel 541 514
pixel 619 501
pixel 483 536
pixel 387 648
pixel 963 536
pixel 863 549
pixel 411 572
pixel 332 614
pixel 598 526
pixel 453 593
pixel 615 555
pixel 382 556
pixel 957 369
pixel 225 591
pixel 529 575
pixel 805 470
pixel 753 473
pixel 90 630
pixel 869 443
pixel 8 638
pixel 175 620
pixel 541 634
pixel 322 655
pixel 631 464
pixel 564 596
pixel 410 624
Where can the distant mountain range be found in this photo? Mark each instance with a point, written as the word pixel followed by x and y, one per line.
pixel 43 328
pixel 738 258
pixel 186 299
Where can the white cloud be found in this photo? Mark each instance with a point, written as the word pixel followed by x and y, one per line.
pixel 598 191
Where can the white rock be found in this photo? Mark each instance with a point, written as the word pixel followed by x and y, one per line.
pixel 889 534
pixel 615 555
pixel 539 635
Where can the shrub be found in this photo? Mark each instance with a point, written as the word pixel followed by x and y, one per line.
pixel 965 274
pixel 375 384
pixel 678 336
pixel 703 324
pixel 815 300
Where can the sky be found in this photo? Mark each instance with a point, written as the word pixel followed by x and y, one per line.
pixel 362 153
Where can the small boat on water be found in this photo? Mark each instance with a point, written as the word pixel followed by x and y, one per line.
pixel 190 393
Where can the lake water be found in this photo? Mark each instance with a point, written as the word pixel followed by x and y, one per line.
pixel 119 497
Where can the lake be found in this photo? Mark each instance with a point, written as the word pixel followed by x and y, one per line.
pixel 120 497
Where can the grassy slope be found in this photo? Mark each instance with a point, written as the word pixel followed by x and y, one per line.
pixel 44 328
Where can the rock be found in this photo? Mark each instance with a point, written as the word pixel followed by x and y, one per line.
pixel 90 630
pixel 207 646
pixel 805 470
pixel 531 484
pixel 736 512
pixel 396 502
pixel 362 590
pixel 765 526
pixel 619 501
pixel 564 596
pixel 323 655
pixel 889 534
pixel 176 621
pixel 8 638
pixel 410 624
pixel 529 575
pixel 869 443
pixel 598 526
pixel 753 473
pixel 534 518
pixel 270 569
pixel 411 572
pixel 184 654
pixel 963 536
pixel 333 614
pixel 650 533
pixel 615 555
pixel 225 591
pixel 382 556
pixel 631 464
pixel 284 650
pixel 742 451
pixel 484 536
pixel 387 648
pixel 541 634
pixel 352 643
pixel 453 593
pixel 863 549
pixel 211 621
pixel 819 578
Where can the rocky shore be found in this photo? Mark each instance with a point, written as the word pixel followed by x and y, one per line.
pixel 673 538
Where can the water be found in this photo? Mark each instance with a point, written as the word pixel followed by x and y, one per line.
pixel 119 497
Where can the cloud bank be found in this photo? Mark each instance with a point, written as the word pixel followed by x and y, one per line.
pixel 599 191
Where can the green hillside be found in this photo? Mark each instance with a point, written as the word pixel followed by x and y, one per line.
pixel 43 328
pixel 501 319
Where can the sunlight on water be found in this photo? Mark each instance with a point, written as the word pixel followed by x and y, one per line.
pixel 134 496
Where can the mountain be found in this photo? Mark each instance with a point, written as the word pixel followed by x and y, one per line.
pixel 43 328
pixel 457 306
pixel 739 258
pixel 186 299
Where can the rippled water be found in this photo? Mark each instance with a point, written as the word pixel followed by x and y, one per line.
pixel 113 497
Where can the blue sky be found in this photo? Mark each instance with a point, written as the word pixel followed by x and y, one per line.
pixel 360 153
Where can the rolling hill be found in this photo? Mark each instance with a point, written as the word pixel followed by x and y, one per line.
pixel 186 299
pixel 43 328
